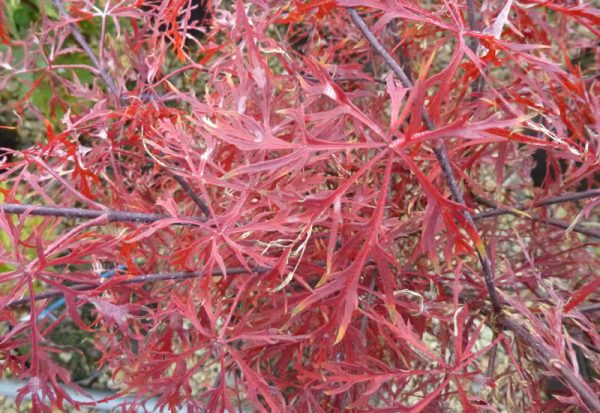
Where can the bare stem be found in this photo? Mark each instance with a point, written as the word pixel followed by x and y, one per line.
pixel 471 16
pixel 497 211
pixel 574 196
pixel 192 194
pixel 111 215
pixel 478 83
pixel 491 367
pixel 365 320
pixel 589 308
pixel 126 216
pixel 87 49
pixel 440 153
pixel 145 278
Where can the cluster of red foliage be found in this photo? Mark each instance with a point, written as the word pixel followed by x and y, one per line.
pixel 327 229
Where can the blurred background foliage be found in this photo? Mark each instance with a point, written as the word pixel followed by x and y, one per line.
pixel 21 128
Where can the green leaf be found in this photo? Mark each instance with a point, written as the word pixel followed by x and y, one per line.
pixel 22 16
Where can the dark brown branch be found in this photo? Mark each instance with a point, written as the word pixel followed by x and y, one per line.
pixel 192 194
pixel 589 308
pixel 553 362
pixel 574 196
pixel 111 215
pixel 440 153
pixel 117 281
pixel 126 216
pixel 87 49
pixel 473 43
pixel 497 211
pixel 491 367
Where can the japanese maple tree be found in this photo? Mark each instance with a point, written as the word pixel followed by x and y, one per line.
pixel 305 206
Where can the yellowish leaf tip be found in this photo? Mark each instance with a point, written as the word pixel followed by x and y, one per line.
pixel 481 248
pixel 341 333
pixel 523 213
pixel 298 309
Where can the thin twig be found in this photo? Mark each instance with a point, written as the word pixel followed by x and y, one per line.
pixel 192 194
pixel 473 43
pixel 497 211
pixel 574 196
pixel 126 216
pixel 440 153
pixel 145 278
pixel 589 308
pixel 553 362
pixel 365 320
pixel 471 14
pixel 344 79
pixel 404 59
pixel 111 214
pixel 478 83
pixel 491 367
pixel 87 49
